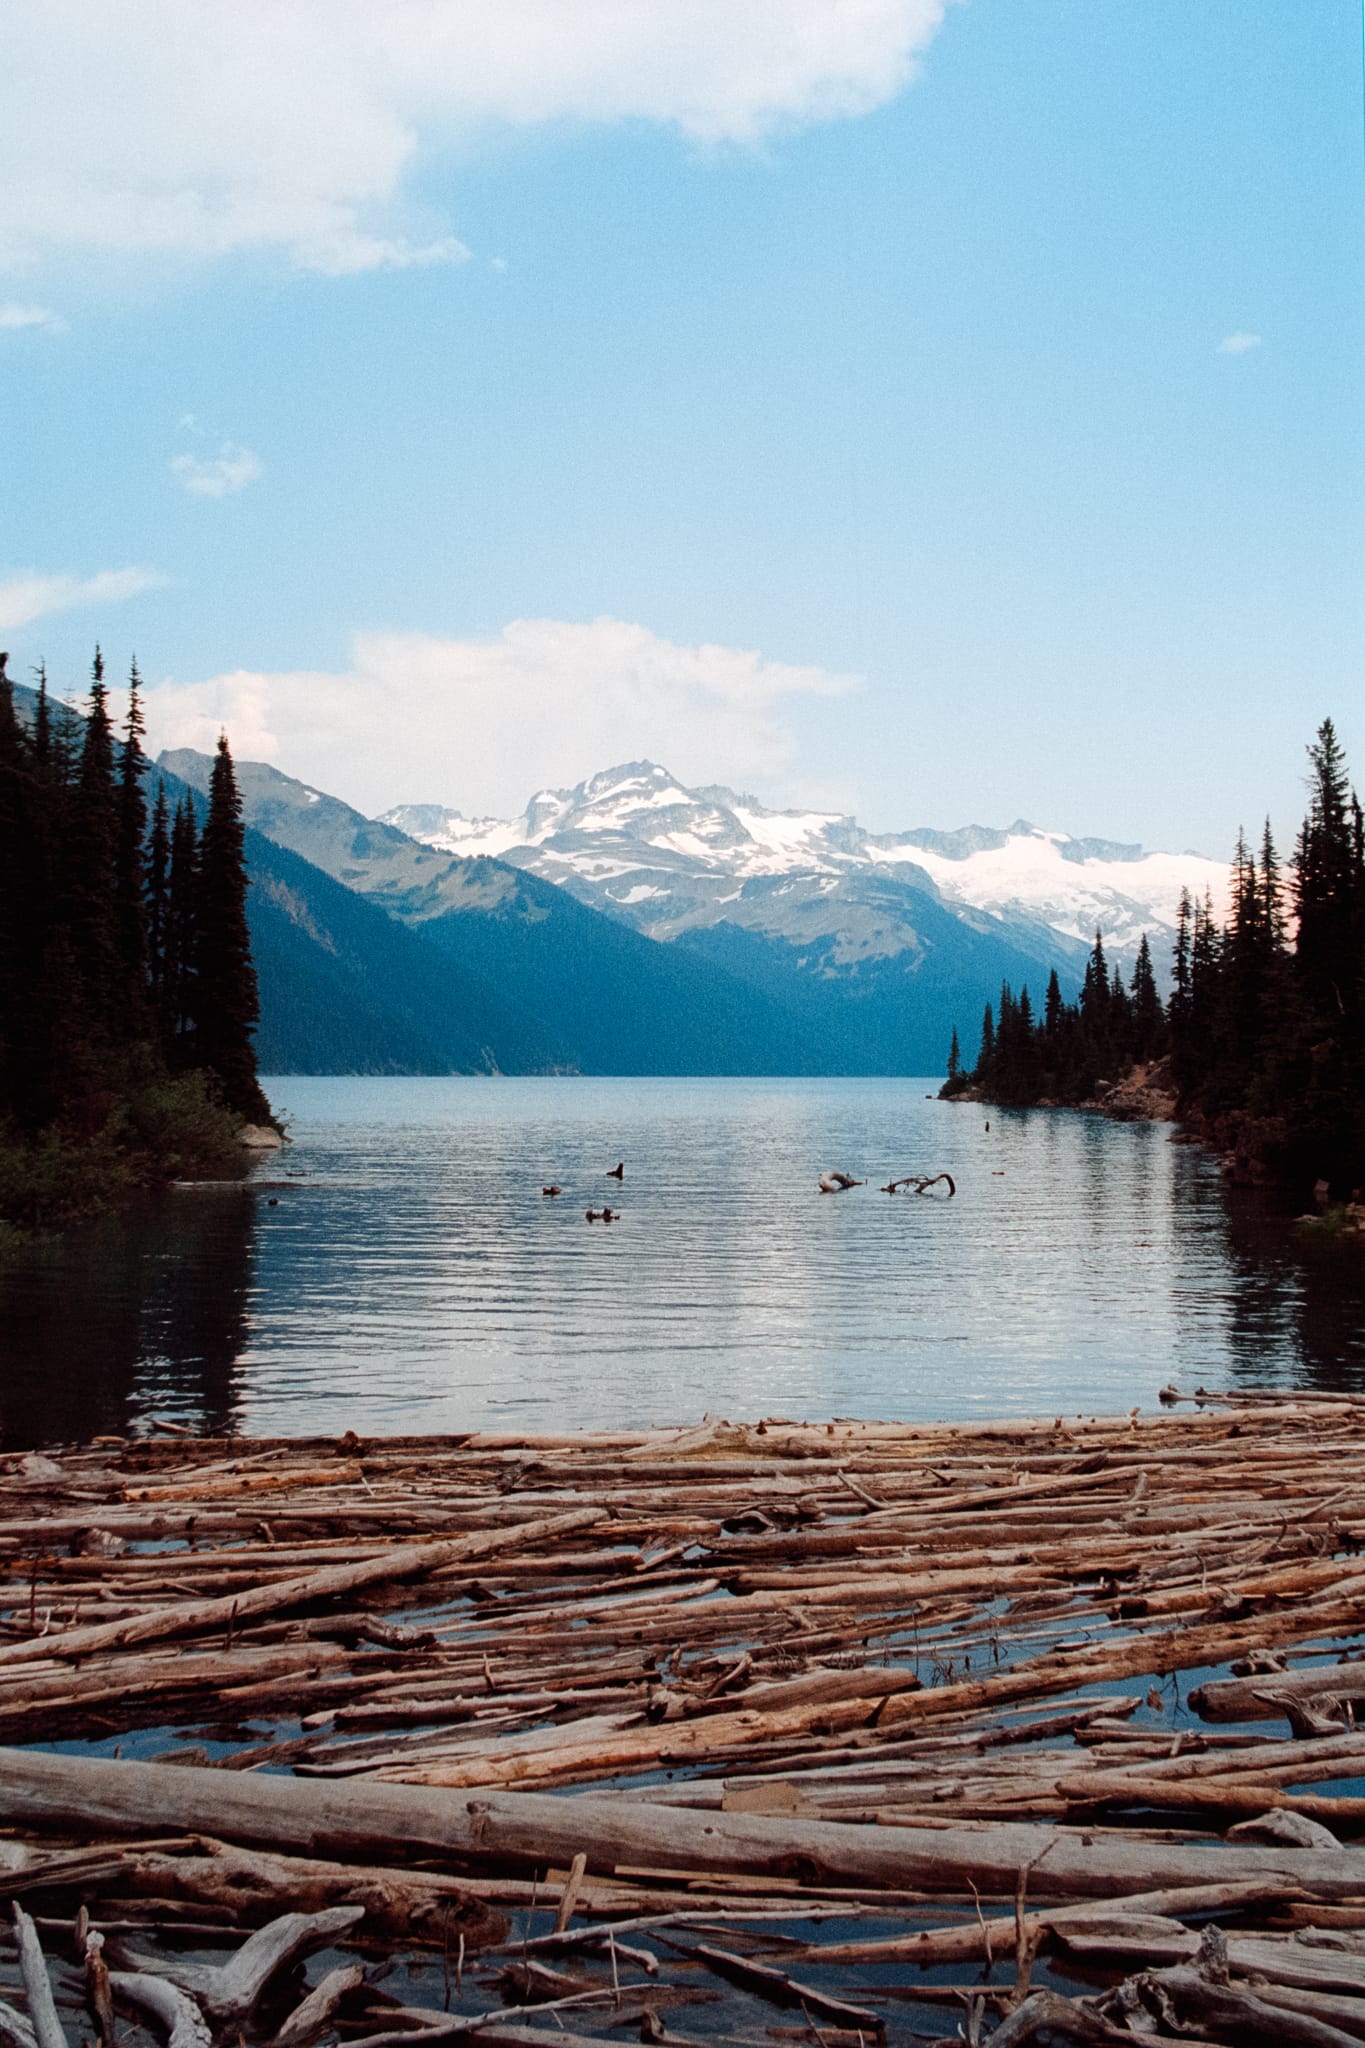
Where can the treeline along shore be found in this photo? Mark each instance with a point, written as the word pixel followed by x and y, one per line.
pixel 128 996
pixel 1026 1731
pixel 1261 1045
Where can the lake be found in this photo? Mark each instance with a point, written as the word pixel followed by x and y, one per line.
pixel 397 1269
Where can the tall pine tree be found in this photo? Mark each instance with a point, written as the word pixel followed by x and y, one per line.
pixel 130 879
pixel 226 1002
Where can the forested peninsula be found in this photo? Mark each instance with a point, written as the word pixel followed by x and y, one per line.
pixel 1262 1042
pixel 127 992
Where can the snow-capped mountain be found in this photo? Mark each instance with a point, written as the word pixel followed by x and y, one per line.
pixel 670 859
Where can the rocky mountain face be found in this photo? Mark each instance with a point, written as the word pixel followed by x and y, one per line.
pixel 670 860
pixel 836 970
pixel 376 954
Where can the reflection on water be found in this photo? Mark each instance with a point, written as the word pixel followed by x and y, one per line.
pixel 143 1313
pixel 400 1269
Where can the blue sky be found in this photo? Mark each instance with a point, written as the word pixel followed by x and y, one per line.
pixel 938 411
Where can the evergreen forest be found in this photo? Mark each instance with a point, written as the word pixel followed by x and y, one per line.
pixel 128 997
pixel 1262 1039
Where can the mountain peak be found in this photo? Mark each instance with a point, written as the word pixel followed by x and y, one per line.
pixel 634 839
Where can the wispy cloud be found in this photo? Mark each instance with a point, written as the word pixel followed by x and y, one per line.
pixel 543 702
pixel 27 596
pixel 344 253
pixel 295 125
pixel 1238 344
pixel 220 475
pixel 12 316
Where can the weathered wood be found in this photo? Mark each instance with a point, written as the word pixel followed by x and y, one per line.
pixel 1279 1960
pixel 229 1991
pixel 1263 1697
pixel 849 1699
pixel 1221 1796
pixel 314 2013
pixel 983 1938
pixel 531 1829
pixel 1046 2013
pixel 15 2028
pixel 42 2007
pixel 1250 2019
pixel 785 1990
pixel 185 2025
pixel 405 1561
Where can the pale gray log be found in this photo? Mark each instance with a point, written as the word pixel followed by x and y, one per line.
pixel 1252 2019
pixel 357 1819
pixel 42 2007
pixel 1279 1959
pixel 14 2027
pixel 1281 1824
pixel 1259 1697
pixel 185 2025
pixel 313 2013
pixel 229 1990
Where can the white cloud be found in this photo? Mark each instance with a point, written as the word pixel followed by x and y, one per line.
pixel 344 253
pixel 292 124
pixel 1238 344
pixel 220 475
pixel 28 596
pixel 12 316
pixel 481 724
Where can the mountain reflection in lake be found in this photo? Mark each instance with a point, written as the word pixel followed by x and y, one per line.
pixel 410 1276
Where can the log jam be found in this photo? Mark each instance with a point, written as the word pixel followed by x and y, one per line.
pixel 769 1732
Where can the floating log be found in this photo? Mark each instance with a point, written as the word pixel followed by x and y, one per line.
pixel 887 1666
pixel 530 1829
pixel 401 1563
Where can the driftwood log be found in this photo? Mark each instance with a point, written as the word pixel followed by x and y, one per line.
pixel 529 1830
pixel 589 1721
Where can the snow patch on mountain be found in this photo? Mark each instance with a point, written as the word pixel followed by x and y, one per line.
pixel 635 840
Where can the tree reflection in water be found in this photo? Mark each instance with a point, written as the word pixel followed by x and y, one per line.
pixel 137 1315
pixel 1296 1298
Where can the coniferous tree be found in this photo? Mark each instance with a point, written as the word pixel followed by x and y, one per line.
pixel 227 1004
pixel 1095 1006
pixel 158 888
pixel 15 825
pixel 1329 888
pixel 129 853
pixel 985 1059
pixel 1325 882
pixel 1182 986
pixel 1266 1034
pixel 1148 1020
pixel 42 724
pixel 88 892
pixel 1272 890
pixel 181 925
pixel 120 965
